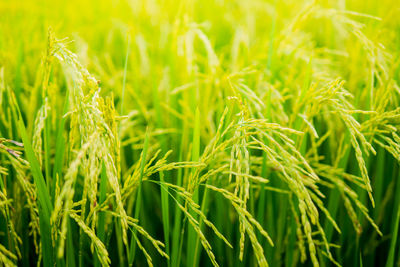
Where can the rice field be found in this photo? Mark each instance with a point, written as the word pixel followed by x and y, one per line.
pixel 199 133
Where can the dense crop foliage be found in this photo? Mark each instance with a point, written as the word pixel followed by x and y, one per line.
pixel 199 133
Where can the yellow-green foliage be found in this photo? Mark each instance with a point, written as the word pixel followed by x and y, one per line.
pixel 249 132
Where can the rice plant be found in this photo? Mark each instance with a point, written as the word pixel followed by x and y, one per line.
pixel 199 133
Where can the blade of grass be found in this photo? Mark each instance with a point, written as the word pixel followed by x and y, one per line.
pixel 204 207
pixel 192 236
pixel 43 193
pixel 176 235
pixel 334 197
pixel 46 139
pixel 101 220
pixel 131 256
pixel 45 206
pixel 70 246
pixel 60 147
pixel 165 213
pixel 395 228
pixel 381 160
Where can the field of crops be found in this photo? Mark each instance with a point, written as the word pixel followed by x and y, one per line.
pixel 199 133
